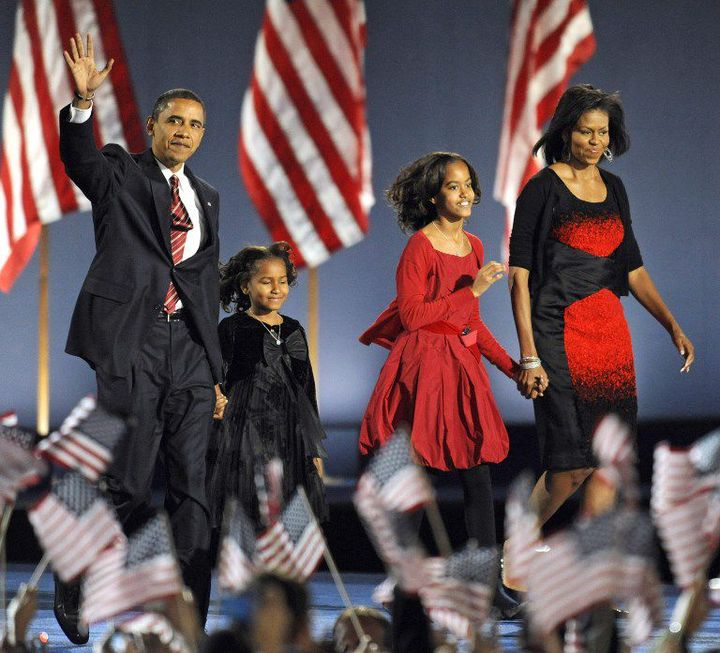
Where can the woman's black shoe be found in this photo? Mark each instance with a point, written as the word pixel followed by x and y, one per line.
pixel 66 607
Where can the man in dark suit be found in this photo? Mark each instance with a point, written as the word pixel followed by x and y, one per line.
pixel 146 316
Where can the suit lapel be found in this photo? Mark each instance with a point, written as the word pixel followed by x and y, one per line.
pixel 161 196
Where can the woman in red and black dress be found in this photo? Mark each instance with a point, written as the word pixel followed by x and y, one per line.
pixel 434 377
pixel 572 256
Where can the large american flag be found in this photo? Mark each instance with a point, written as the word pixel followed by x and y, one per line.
pixel 236 565
pixel 461 588
pixel 686 505
pixel 609 558
pixel 401 484
pixel 85 440
pixel 34 189
pixel 549 41
pixel 74 524
pixel 294 545
pixel 132 572
pixel 304 147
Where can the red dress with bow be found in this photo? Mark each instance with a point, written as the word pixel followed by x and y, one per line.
pixel 434 377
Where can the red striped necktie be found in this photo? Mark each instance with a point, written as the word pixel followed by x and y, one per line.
pixel 181 224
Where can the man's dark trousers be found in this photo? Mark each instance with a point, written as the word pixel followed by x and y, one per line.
pixel 170 398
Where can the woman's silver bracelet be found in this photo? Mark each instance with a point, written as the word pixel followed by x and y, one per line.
pixel 530 362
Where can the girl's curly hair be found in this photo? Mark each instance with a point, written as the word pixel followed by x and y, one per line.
pixel 238 271
pixel 420 181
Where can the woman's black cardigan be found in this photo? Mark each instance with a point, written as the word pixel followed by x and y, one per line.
pixel 534 217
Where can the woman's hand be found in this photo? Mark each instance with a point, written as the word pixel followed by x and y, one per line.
pixel 220 403
pixel 86 76
pixel 685 347
pixel 532 383
pixel 644 290
pixel 487 275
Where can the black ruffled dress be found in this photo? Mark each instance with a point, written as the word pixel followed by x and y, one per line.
pixel 271 412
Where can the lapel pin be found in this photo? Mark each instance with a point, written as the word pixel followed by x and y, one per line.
pixel 209 203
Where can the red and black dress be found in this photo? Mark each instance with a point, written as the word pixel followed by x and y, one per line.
pixel 578 322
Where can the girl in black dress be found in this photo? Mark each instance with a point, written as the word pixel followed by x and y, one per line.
pixel 271 410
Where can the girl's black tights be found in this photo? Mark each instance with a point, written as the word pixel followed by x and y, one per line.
pixel 477 502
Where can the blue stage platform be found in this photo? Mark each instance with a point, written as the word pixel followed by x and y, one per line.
pixel 326 607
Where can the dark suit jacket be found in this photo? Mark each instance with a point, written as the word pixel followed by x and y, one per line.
pixel 126 285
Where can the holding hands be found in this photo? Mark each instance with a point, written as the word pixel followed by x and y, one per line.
pixel 220 402
pixel 532 379
pixel 81 62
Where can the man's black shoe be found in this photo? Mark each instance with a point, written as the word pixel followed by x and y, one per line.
pixel 66 607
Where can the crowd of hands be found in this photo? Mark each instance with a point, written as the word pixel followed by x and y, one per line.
pixel 274 617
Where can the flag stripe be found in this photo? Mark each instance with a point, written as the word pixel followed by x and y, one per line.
pixel 27 202
pixel 311 142
pixel 326 50
pixel 130 120
pixel 34 189
pixel 50 153
pixel 40 182
pixel 304 145
pixel 281 206
pixel 549 41
pixel 287 141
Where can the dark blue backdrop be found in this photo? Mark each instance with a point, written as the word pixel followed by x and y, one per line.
pixel 435 77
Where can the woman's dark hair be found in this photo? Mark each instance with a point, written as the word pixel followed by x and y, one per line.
pixel 418 183
pixel 238 271
pixel 574 102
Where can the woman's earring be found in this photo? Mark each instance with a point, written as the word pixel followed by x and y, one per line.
pixel 566 153
pixel 607 153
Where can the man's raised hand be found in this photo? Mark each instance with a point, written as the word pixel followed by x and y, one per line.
pixel 85 74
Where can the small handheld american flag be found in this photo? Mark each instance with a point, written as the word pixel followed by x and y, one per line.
pixel 86 439
pixel 74 523
pixel 294 545
pixel 237 553
pixel 461 588
pixel 132 572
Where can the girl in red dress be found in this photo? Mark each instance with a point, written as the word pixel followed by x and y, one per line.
pixel 434 377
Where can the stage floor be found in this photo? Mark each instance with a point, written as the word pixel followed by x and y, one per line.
pixel 326 606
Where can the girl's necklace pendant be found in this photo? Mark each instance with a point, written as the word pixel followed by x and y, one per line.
pixel 275 336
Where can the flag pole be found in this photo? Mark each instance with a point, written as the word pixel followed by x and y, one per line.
pixel 438 528
pixel 7 512
pixel 313 324
pixel 43 382
pixel 39 571
pixel 362 637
